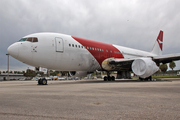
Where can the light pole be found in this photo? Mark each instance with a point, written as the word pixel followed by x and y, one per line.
pixel 8 66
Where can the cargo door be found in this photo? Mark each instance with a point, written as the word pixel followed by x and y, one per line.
pixel 59 44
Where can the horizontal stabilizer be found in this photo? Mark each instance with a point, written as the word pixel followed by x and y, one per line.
pixel 166 58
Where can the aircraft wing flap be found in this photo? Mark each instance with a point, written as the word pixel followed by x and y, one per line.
pixel 166 58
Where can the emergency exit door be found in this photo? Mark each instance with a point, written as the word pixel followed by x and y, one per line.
pixel 59 44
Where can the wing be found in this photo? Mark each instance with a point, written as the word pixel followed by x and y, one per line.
pixel 114 64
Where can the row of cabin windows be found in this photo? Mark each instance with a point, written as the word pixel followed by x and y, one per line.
pixel 77 46
pixel 92 48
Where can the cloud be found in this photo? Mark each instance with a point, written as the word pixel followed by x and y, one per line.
pixel 120 22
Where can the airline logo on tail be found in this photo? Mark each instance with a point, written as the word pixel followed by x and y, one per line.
pixel 160 39
pixel 160 42
pixel 158 46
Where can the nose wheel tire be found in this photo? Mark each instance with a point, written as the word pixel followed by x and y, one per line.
pixel 42 81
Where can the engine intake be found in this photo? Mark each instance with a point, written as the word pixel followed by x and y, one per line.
pixel 78 73
pixel 144 67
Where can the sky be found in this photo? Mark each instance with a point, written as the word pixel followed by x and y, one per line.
pixel 129 23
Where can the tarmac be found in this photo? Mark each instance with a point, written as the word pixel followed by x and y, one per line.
pixel 90 100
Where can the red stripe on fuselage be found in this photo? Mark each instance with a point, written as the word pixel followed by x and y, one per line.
pixel 99 50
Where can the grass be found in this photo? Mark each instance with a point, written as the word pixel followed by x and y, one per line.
pixel 165 76
pixel 155 77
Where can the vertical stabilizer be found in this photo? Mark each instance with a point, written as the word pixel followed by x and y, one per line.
pixel 158 46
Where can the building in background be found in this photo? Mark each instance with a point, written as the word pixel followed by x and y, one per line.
pixel 4 76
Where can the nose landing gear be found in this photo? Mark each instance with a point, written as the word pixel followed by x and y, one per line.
pixel 42 81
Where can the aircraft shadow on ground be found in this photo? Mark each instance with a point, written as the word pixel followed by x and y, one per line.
pixel 101 81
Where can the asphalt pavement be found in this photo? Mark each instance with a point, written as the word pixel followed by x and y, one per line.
pixel 90 100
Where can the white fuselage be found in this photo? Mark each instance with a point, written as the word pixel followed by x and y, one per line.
pixel 66 53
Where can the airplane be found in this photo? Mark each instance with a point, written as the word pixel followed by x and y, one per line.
pixel 81 56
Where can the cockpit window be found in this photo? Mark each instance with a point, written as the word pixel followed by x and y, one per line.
pixel 35 40
pixel 22 39
pixel 30 39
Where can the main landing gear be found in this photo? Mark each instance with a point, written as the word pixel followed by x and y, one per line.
pixel 109 78
pixel 146 79
pixel 42 81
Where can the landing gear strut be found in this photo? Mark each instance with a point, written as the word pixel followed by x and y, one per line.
pixel 108 77
pixel 42 81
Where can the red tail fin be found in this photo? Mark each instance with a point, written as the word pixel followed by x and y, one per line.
pixel 160 39
pixel 158 46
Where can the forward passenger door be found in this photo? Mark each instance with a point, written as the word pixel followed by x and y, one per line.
pixel 59 44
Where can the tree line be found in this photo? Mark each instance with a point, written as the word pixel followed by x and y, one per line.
pixel 164 67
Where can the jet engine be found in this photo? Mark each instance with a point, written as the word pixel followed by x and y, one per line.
pixel 78 73
pixel 144 67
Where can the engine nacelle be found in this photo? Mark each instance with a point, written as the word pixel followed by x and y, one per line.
pixel 144 67
pixel 78 73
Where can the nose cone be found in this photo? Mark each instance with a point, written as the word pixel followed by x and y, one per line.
pixel 13 50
